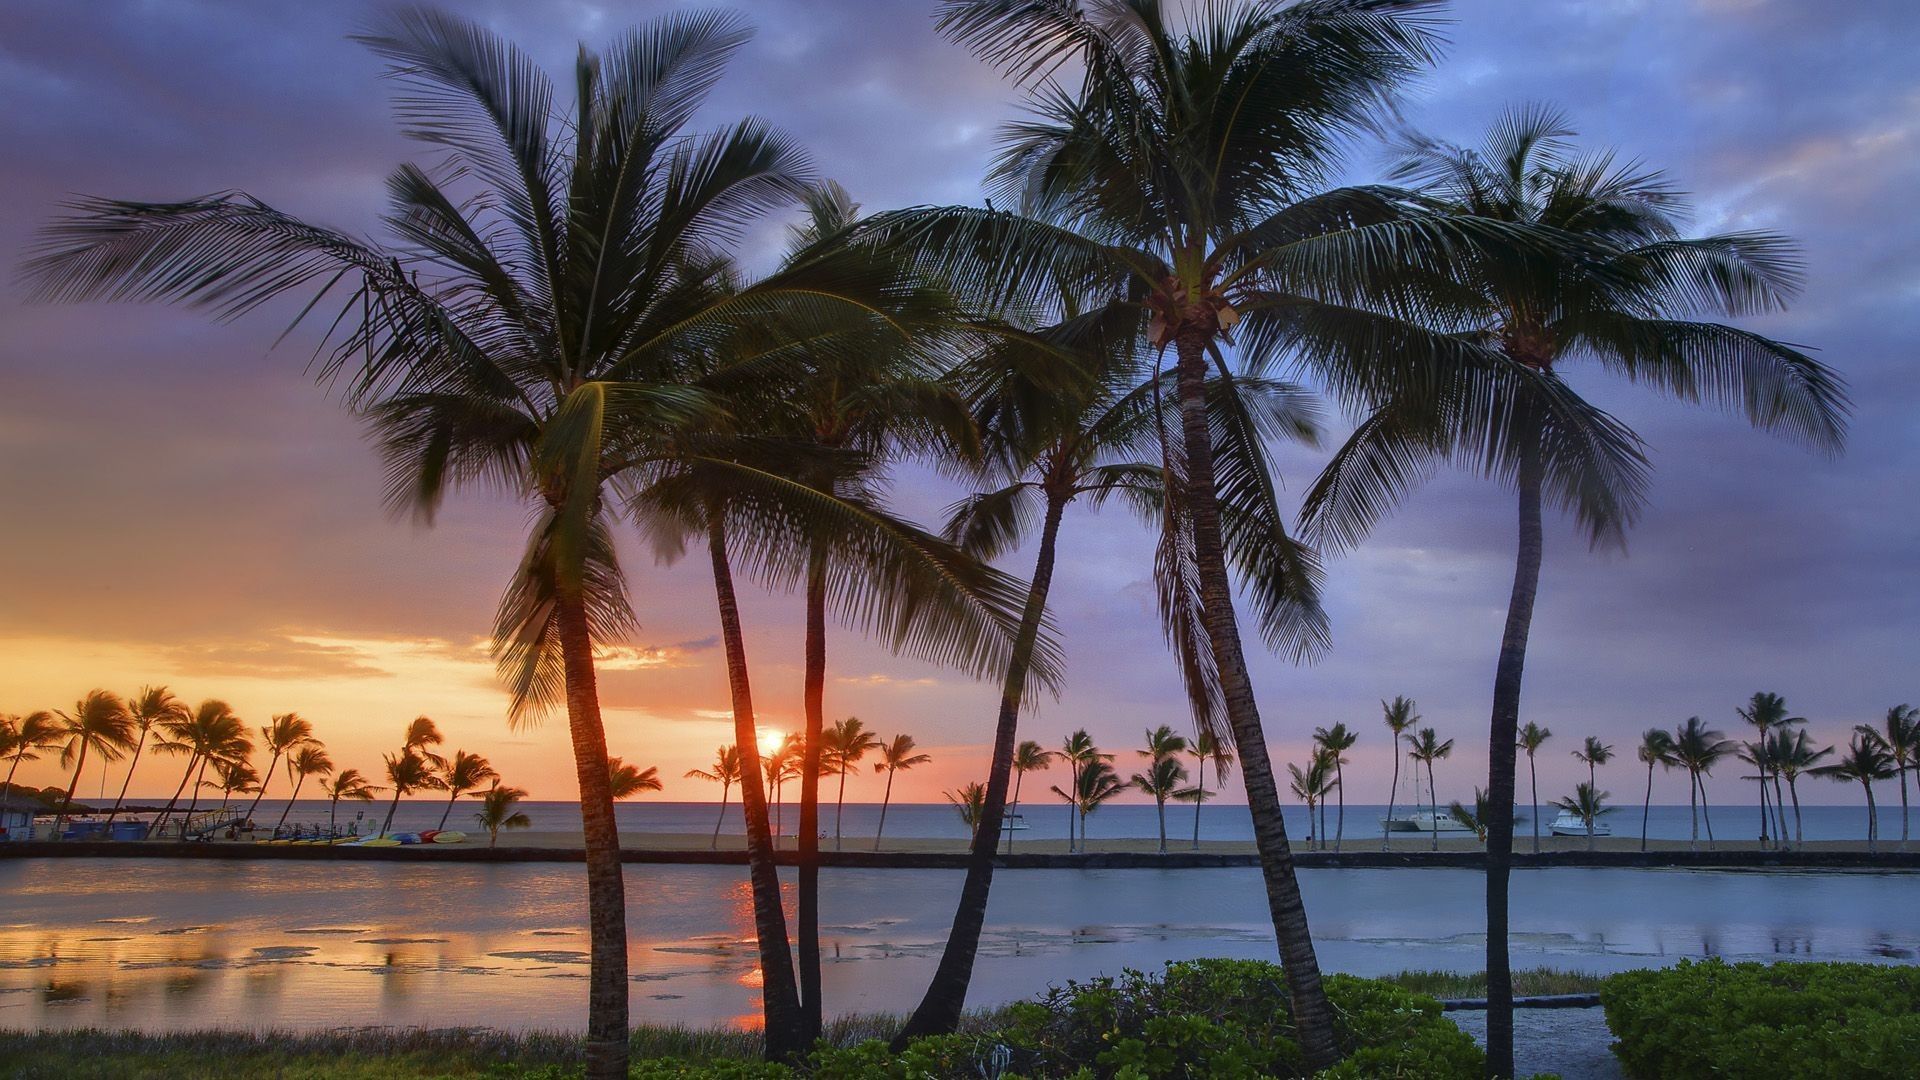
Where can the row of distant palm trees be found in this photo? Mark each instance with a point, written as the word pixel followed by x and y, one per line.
pixel 106 727
pixel 559 314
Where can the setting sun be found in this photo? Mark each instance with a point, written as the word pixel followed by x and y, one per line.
pixel 771 740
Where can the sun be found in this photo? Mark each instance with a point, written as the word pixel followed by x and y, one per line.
pixel 771 740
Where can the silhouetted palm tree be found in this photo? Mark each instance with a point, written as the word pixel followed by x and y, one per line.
pixel 1531 738
pixel 1400 717
pixel 286 732
pixel 1593 753
pixel 1656 748
pixel 421 737
pixel 346 784
pixel 210 733
pixel 1205 749
pixel 1078 751
pixel 232 776
pixel 24 738
pixel 846 743
pixel 1697 747
pixel 896 755
pixel 627 780
pixel 1337 740
pixel 1477 818
pixel 782 765
pixel 151 707
pixel 1866 759
pixel 1094 785
pixel 98 722
pixel 497 811
pixel 1900 731
pixel 968 802
pixel 1311 786
pixel 461 773
pixel 1427 747
pixel 309 760
pixel 726 773
pixel 1793 753
pixel 1162 778
pixel 1588 804
pixel 1764 712
pixel 408 772
pixel 1029 757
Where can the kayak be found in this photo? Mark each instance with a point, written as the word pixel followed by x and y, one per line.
pixel 380 841
pixel 449 836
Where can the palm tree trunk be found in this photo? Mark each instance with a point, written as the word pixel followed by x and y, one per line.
pixel 779 999
pixel 885 799
pixel 1793 789
pixel 167 810
pixel 1706 812
pixel 332 806
pixel 1014 807
pixel 1779 811
pixel 1502 738
pixel 455 797
pixel 722 818
pixel 1433 804
pixel 297 785
pixel 142 744
pixel 1160 804
pixel 1313 1018
pixel 391 807
pixel 839 806
pixel 193 801
pixel 1533 786
pixel 60 817
pixel 1903 809
pixel 1763 799
pixel 1199 799
pixel 814 693
pixel 1646 807
pixel 1873 819
pixel 7 788
pixel 607 1013
pixel 265 779
pixel 1393 792
pixel 1340 821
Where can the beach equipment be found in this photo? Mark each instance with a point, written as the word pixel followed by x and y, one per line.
pixel 449 836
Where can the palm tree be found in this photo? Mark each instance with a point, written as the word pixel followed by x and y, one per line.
pixel 1427 748
pixel 210 733
pixel 1866 760
pixel 630 780
pixel 153 705
pixel 231 776
pixel 1311 786
pixel 968 802
pixel 1477 818
pixel 98 722
pixel 1094 785
pixel 287 732
pixel 1793 753
pixel 422 735
pixel 461 773
pixel 531 335
pixel 1163 777
pixel 1900 732
pixel 1176 167
pixel 408 772
pixel 1588 804
pixel 23 738
pixel 1656 748
pixel 896 755
pixel 781 766
pixel 1696 747
pixel 1078 751
pixel 497 811
pixel 726 773
pixel 1531 738
pixel 1204 749
pixel 1593 753
pixel 1617 285
pixel 1765 712
pixel 346 784
pixel 1029 757
pixel 309 760
pixel 844 744
pixel 1400 716
pixel 1337 740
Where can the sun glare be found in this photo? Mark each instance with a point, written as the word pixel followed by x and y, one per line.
pixel 771 740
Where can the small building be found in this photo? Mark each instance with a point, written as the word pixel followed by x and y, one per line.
pixel 16 816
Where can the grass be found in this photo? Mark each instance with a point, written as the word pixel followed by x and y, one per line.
pixel 1533 982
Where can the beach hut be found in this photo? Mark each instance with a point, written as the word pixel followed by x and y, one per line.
pixel 16 816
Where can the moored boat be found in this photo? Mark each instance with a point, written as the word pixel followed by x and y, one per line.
pixel 1571 824
pixel 1424 821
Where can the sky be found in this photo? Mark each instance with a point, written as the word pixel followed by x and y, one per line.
pixel 184 505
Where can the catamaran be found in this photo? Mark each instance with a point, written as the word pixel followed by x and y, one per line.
pixel 1425 821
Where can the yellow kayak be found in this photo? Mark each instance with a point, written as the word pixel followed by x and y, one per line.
pixel 380 841
pixel 449 837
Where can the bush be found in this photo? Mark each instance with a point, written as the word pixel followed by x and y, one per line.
pixel 1800 1020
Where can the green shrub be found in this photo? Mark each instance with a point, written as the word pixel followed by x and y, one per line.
pixel 1799 1020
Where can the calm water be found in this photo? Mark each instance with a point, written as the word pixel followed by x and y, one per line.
pixel 1048 820
pixel 173 945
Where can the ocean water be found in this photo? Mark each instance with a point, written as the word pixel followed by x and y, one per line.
pixel 173 945
pixel 1048 820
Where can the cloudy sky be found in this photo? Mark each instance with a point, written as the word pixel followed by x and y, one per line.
pixel 183 505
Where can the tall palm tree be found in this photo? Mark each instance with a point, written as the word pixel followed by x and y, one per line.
pixel 1588 804
pixel 844 745
pixel 98 722
pixel 1476 818
pixel 1531 738
pixel 1337 740
pixel 1079 751
pixel 152 706
pixel 782 765
pixel 1614 282
pixel 1093 787
pixel 408 772
pixel 461 773
pixel 1427 747
pixel 497 811
pixel 1311 786
pixel 535 337
pixel 1793 753
pixel 210 733
pixel 630 780
pixel 1028 757
pixel 421 737
pixel 896 755
pixel 1697 747
pixel 1866 759
pixel 1900 731
pixel 1656 748
pixel 310 759
pixel 1764 712
pixel 232 776
pixel 282 736
pixel 1593 753
pixel 726 773
pixel 968 802
pixel 1163 777
pixel 1175 173
pixel 1400 717
pixel 1204 748
pixel 346 784
pixel 26 737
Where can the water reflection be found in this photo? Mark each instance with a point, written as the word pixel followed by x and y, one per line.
pixel 310 946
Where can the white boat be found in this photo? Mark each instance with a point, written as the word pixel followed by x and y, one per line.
pixel 1424 821
pixel 1013 823
pixel 1570 824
